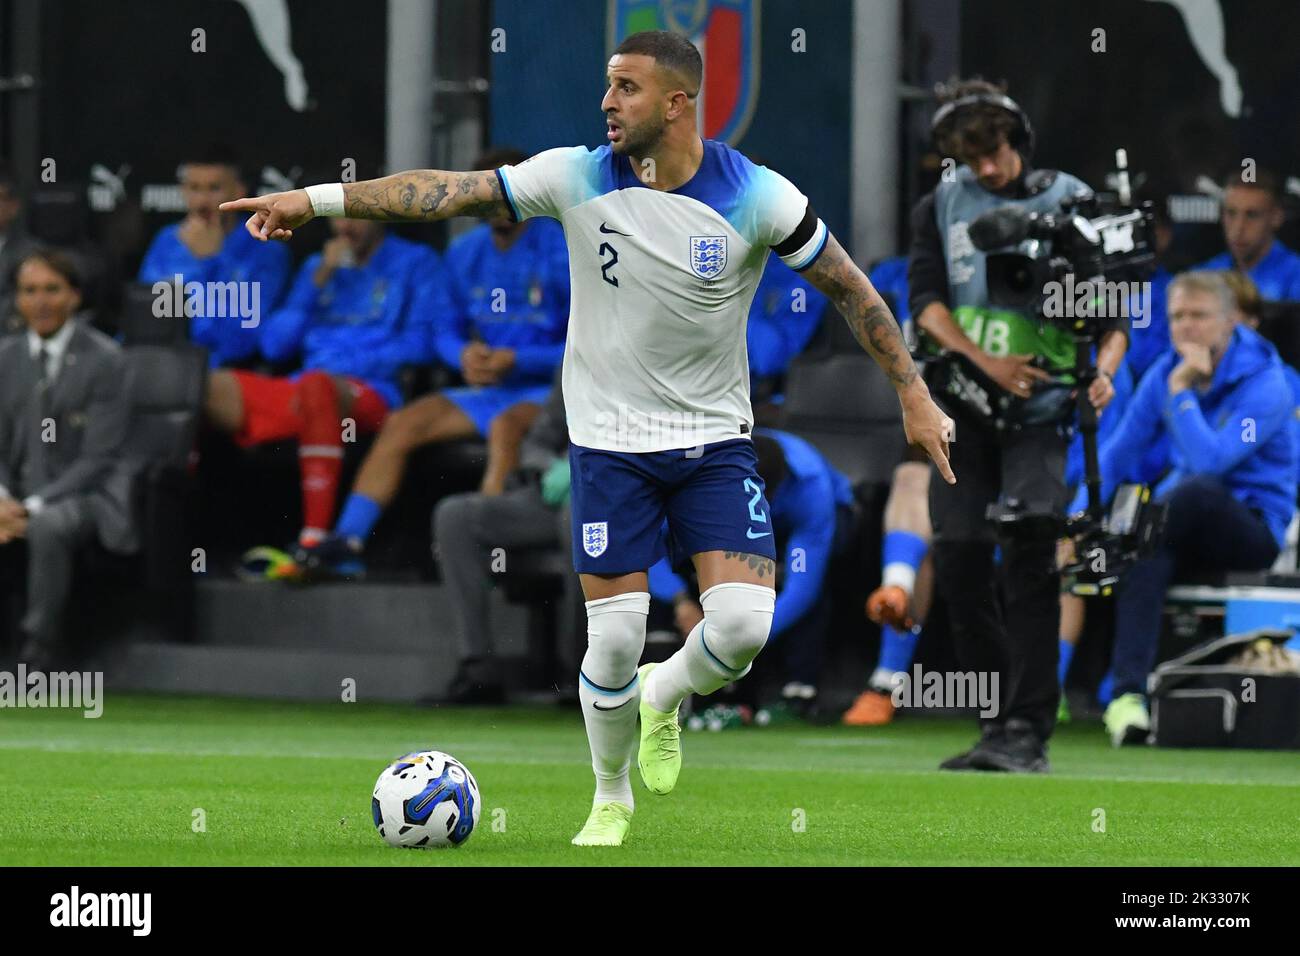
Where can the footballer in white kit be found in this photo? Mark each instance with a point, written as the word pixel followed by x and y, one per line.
pixel 668 235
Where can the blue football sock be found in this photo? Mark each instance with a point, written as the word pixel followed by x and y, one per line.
pixel 1106 689
pixel 1063 668
pixel 903 547
pixel 901 556
pixel 896 649
pixel 358 518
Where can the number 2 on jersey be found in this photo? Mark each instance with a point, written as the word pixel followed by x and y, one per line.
pixel 607 249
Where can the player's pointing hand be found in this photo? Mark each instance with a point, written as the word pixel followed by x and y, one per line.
pixel 926 425
pixel 275 215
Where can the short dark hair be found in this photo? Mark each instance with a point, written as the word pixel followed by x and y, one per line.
pixel 214 154
pixel 1264 179
pixel 495 157
pixel 56 259
pixel 978 129
pixel 671 51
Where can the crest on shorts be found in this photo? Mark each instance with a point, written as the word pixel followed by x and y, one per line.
pixel 595 538
pixel 708 255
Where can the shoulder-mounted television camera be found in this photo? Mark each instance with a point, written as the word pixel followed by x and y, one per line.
pixel 1079 268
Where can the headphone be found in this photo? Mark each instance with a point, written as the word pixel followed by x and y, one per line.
pixel 1022 137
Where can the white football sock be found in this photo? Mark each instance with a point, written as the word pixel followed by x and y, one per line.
pixel 609 690
pixel 737 620
pixel 899 573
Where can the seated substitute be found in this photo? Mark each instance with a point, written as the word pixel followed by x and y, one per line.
pixel 64 408
pixel 1252 214
pixel 501 321
pixel 358 312
pixel 1154 463
pixel 529 513
pixel 209 246
pixel 1221 405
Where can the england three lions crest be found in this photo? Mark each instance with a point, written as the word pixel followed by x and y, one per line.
pixel 595 538
pixel 708 256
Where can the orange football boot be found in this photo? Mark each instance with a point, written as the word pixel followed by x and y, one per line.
pixel 871 709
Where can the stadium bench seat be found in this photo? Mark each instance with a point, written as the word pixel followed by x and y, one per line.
pixel 138 325
pixel 167 398
pixel 155 583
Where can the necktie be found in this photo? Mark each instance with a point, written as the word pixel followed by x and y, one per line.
pixel 43 357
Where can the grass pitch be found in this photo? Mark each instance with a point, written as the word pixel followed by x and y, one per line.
pixel 289 784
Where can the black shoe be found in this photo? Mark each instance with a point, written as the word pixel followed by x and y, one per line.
pixel 333 558
pixel 36 655
pixel 1019 750
pixel 990 734
pixel 475 683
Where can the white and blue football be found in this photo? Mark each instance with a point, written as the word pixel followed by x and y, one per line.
pixel 427 799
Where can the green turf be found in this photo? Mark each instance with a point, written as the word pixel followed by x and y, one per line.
pixel 290 784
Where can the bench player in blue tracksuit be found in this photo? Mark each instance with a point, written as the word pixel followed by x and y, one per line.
pixel 359 311
pixel 500 320
pixel 1252 214
pixel 1220 404
pixel 207 246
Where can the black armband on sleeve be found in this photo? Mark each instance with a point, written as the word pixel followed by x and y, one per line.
pixel 802 233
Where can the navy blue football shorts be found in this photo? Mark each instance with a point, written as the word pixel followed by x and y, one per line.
pixel 620 500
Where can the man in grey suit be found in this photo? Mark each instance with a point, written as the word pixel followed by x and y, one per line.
pixel 14 245
pixel 532 512
pixel 64 409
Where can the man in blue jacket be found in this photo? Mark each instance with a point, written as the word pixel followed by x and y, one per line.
pixel 1220 403
pixel 359 311
pixel 812 518
pixel 1252 214
pixel 208 247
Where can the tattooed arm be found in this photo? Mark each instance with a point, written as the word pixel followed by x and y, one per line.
pixel 426 194
pixel 925 424
pixel 418 195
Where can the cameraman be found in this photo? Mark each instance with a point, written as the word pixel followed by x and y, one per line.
pixel 1219 406
pixel 991 138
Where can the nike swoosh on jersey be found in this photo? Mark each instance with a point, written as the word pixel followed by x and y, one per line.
pixel 608 231
pixel 615 707
pixel 749 533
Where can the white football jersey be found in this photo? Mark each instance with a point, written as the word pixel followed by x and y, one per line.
pixel 661 284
